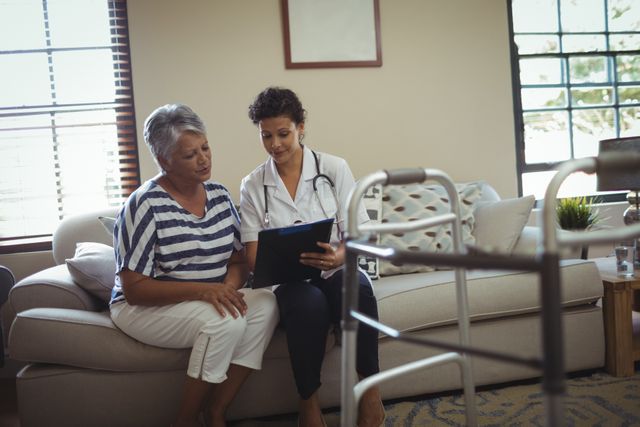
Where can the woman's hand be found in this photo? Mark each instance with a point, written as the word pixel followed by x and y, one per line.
pixel 328 260
pixel 225 297
pixel 144 290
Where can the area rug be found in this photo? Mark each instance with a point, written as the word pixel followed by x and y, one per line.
pixel 596 399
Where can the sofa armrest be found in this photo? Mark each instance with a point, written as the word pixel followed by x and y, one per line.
pixel 527 243
pixel 52 287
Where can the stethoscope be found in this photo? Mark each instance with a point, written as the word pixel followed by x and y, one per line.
pixel 316 178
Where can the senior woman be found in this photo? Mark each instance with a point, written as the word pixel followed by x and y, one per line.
pixel 181 267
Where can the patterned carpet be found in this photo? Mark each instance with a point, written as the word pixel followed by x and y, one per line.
pixel 596 399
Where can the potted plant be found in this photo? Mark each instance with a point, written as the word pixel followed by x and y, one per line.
pixel 577 213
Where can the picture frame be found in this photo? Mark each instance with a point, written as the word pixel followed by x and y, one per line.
pixel 331 33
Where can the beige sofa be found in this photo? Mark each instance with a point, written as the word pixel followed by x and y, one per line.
pixel 83 371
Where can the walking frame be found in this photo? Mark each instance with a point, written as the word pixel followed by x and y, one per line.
pixel 545 262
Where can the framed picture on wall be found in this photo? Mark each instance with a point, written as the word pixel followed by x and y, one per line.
pixel 331 33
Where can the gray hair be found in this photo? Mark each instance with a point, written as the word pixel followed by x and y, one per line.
pixel 165 125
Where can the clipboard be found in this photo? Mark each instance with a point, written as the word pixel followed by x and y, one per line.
pixel 279 249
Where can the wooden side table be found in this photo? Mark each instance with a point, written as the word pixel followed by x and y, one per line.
pixel 621 323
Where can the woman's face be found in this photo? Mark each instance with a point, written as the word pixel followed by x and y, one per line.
pixel 191 159
pixel 280 137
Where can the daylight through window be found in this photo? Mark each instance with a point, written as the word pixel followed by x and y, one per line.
pixel 67 130
pixel 576 66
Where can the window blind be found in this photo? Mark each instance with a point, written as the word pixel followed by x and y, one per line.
pixel 67 123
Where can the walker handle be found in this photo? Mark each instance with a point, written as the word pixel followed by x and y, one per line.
pixel 405 176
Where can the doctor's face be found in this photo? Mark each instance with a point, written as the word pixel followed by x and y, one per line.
pixel 281 137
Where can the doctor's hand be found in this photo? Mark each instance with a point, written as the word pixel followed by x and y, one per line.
pixel 225 297
pixel 328 260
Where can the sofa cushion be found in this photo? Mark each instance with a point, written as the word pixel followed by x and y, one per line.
pixel 93 268
pixel 90 340
pixel 429 299
pixel 403 203
pixel 87 340
pixel 498 225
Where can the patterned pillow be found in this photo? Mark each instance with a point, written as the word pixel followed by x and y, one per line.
pixel 416 201
pixel 372 200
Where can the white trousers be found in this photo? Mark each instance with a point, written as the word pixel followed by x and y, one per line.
pixel 216 341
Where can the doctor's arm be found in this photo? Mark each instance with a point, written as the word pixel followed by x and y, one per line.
pixel 335 257
pixel 252 250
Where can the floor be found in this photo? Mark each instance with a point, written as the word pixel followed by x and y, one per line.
pixel 9 406
pixel 8 403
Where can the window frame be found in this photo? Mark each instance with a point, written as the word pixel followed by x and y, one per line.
pixel 122 105
pixel 521 165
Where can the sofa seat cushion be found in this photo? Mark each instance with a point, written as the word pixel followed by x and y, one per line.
pixel 90 340
pixel 85 339
pixel 429 299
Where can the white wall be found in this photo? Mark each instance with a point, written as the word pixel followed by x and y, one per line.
pixel 442 98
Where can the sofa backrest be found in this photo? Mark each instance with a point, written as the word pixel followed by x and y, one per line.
pixel 85 227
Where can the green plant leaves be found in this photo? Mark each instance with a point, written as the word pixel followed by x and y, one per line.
pixel 576 213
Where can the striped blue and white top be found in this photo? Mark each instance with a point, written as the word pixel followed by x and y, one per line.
pixel 157 237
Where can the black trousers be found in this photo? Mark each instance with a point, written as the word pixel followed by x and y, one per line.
pixel 307 311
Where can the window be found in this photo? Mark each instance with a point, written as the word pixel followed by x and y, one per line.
pixel 576 74
pixel 67 128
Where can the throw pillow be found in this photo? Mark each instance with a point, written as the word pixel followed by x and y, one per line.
pixel 417 201
pixel 499 224
pixel 93 268
pixel 372 200
pixel 108 223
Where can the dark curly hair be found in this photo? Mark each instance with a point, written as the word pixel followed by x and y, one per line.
pixel 275 102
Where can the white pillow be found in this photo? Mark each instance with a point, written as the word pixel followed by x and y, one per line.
pixel 108 223
pixel 93 268
pixel 499 224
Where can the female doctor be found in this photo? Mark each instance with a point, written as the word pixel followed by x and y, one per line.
pixel 296 185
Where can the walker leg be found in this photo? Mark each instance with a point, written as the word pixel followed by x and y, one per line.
pixel 553 384
pixel 349 341
pixel 348 413
pixel 471 412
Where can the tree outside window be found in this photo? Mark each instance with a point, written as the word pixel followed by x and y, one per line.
pixel 576 66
